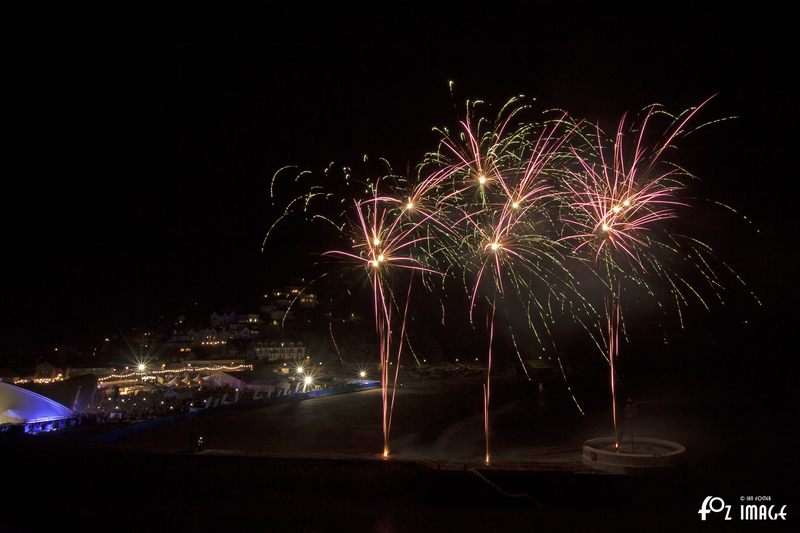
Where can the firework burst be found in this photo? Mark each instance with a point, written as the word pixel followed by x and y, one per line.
pixel 506 210
pixel 621 201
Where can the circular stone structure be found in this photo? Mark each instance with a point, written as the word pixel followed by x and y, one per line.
pixel 644 455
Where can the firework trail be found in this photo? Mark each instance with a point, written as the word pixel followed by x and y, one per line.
pixel 612 312
pixel 487 386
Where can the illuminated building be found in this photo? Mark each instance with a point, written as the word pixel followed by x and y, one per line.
pixel 279 350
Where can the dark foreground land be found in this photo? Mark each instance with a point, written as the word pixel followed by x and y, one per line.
pixel 127 491
pixel 313 465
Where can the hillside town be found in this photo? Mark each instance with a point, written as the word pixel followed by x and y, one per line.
pixel 188 364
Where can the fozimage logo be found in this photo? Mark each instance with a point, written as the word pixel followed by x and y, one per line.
pixel 750 508
pixel 714 504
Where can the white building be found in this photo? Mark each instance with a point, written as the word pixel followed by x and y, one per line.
pixel 279 350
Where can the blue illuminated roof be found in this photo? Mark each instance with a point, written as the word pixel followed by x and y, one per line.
pixel 21 406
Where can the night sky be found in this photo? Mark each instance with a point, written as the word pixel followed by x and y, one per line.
pixel 143 142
